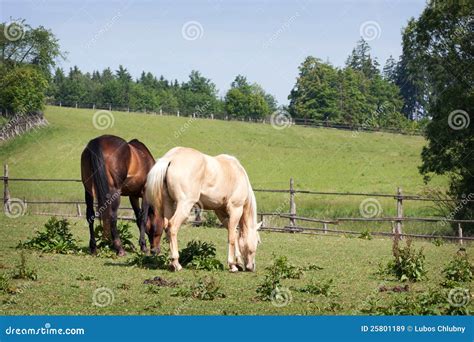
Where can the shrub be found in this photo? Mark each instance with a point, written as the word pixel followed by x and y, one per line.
pixel 57 238
pixel 5 286
pixel 207 264
pixel 280 269
pixel 431 302
pixel 458 270
pixel 22 271
pixel 123 230
pixel 211 220
pixel 149 261
pixel 205 288
pixel 317 288
pixel 407 263
pixel 366 235
pixel 196 249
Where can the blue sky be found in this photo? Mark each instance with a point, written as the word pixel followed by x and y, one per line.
pixel 263 40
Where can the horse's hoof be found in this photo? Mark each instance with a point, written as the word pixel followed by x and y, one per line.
pixel 144 250
pixel 239 267
pixel 121 253
pixel 233 269
pixel 175 268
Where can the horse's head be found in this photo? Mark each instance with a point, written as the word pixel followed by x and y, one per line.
pixel 248 243
pixel 154 230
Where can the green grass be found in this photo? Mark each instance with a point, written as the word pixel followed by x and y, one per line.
pixel 66 283
pixel 317 158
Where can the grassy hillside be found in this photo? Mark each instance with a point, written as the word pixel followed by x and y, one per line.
pixel 320 159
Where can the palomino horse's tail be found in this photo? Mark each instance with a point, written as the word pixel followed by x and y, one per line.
pixel 155 184
pixel 98 171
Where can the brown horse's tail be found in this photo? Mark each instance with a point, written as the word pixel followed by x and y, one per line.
pixel 101 184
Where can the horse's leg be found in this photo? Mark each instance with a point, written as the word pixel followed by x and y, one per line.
pixel 114 205
pixel 234 217
pixel 157 226
pixel 183 209
pixel 141 216
pixel 90 216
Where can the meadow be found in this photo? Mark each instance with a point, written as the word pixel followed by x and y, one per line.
pixel 317 158
pixel 66 284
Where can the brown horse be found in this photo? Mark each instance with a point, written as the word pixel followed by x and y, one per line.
pixel 110 168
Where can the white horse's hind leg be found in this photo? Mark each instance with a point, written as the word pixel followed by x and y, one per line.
pixel 180 215
pixel 234 218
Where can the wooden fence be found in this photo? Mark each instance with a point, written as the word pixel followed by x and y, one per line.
pixel 287 120
pixel 325 225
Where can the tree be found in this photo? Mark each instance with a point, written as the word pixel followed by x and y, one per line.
pixel 22 90
pixel 37 46
pixel 390 70
pixel 361 60
pixel 246 100
pixel 442 51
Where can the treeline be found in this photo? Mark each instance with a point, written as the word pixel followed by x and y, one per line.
pixel 358 94
pixel 119 90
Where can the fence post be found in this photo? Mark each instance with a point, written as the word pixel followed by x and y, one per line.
pixel 460 233
pixel 325 228
pixel 76 105
pixel 110 107
pixel 399 225
pixel 161 111
pixel 292 203
pixel 177 113
pixel 6 192
pixel 78 208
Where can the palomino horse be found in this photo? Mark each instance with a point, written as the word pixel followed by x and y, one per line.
pixel 110 168
pixel 184 177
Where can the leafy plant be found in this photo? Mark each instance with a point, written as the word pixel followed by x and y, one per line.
pixel 22 271
pixel 280 269
pixel 317 288
pixel 458 270
pixel 407 263
pixel 123 230
pixel 56 238
pixel 207 264
pixel 211 220
pixel 5 286
pixel 438 242
pixel 431 302
pixel 196 249
pixel 366 235
pixel 149 261
pixel 205 288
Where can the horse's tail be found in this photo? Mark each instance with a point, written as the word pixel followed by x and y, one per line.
pixel 155 184
pixel 98 171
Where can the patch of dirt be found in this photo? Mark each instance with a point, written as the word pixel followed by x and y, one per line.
pixel 397 288
pixel 158 281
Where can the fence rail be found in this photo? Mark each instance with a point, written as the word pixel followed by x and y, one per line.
pixel 288 120
pixel 293 218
